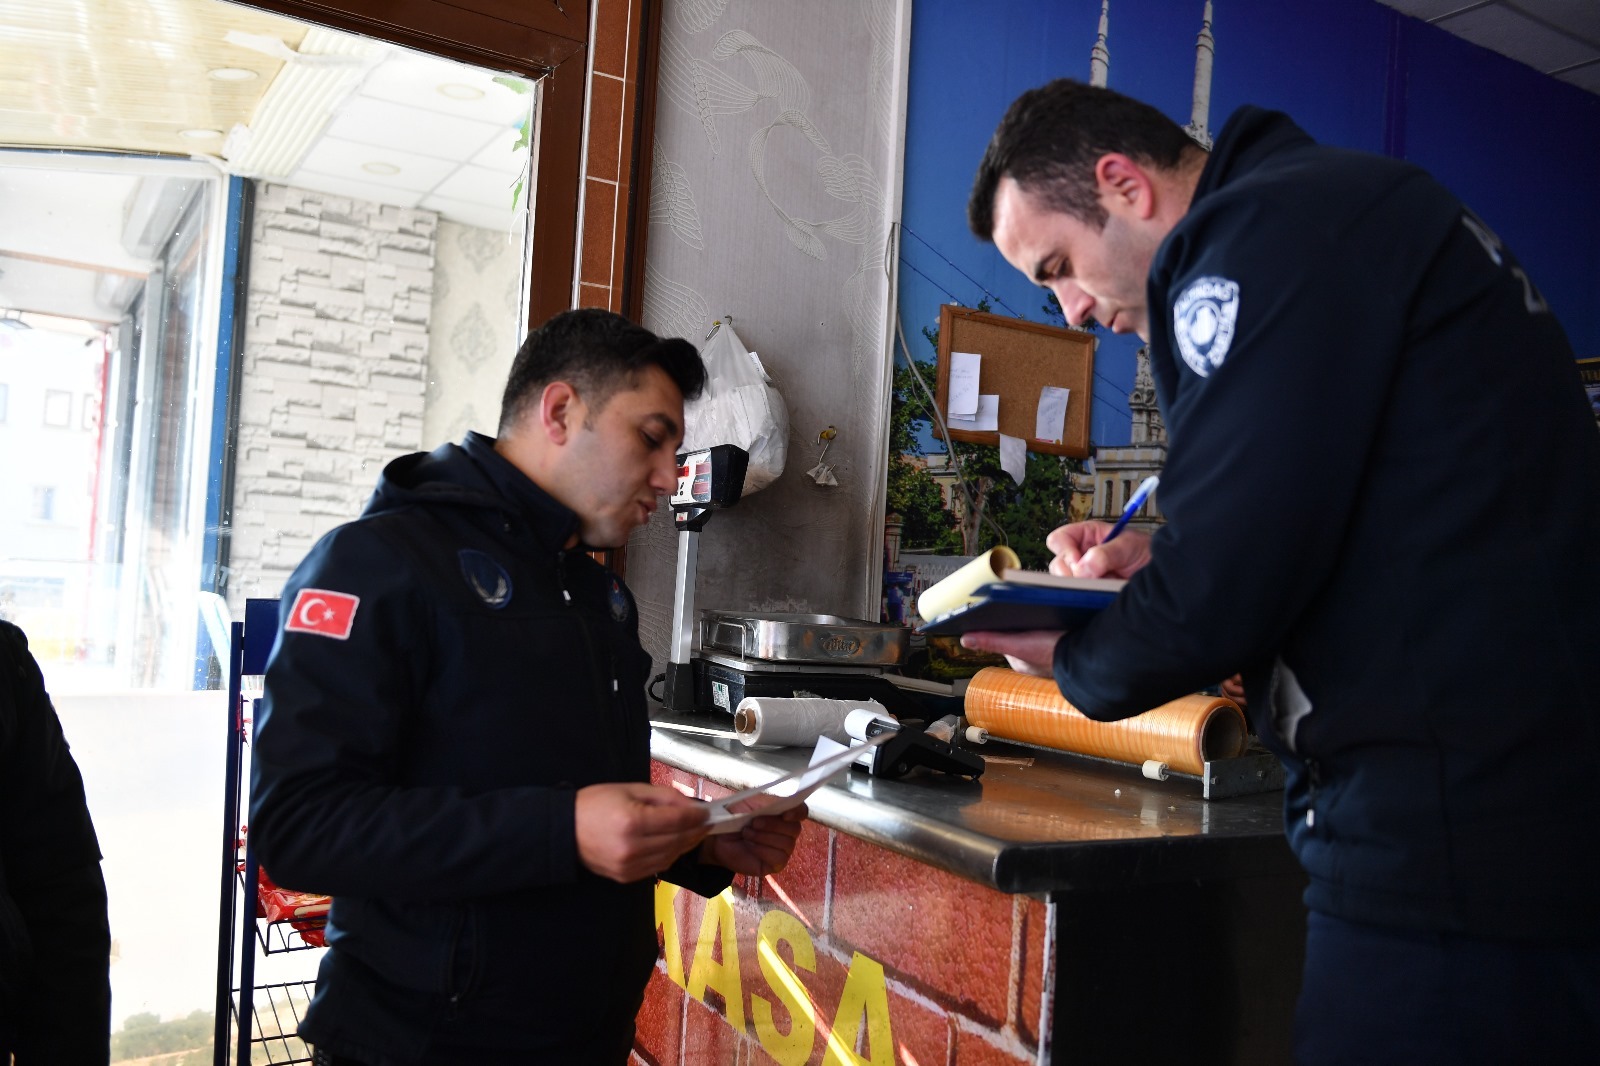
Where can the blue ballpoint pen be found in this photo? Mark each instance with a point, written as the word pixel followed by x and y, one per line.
pixel 1136 501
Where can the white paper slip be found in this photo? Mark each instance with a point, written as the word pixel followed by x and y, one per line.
pixel 987 420
pixel 1050 423
pixel 828 759
pixel 964 370
pixel 1014 457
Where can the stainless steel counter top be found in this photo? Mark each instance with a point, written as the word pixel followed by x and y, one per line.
pixel 1060 824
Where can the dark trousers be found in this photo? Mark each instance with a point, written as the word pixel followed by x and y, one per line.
pixel 1395 998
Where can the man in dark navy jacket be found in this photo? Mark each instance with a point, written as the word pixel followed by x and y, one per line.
pixel 1383 509
pixel 55 942
pixel 454 743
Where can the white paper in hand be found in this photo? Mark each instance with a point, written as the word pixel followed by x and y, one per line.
pixel 828 760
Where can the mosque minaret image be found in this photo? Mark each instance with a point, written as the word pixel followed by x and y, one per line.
pixel 1114 472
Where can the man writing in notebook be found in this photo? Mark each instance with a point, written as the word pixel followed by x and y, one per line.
pixel 1383 509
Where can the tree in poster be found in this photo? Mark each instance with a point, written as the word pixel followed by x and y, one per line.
pixel 913 494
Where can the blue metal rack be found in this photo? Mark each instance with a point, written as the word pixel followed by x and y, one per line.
pixel 251 1020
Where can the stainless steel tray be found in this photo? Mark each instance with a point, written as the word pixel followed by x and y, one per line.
pixel 804 638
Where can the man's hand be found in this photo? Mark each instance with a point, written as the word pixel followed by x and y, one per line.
pixel 1233 688
pixel 1081 551
pixel 761 846
pixel 628 831
pixel 1031 652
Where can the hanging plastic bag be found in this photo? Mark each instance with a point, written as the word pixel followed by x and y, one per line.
pixel 738 406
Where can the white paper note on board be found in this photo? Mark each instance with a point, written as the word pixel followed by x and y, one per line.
pixel 964 370
pixel 1014 457
pixel 987 420
pixel 1050 424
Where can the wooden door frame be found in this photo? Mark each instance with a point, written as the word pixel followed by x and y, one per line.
pixel 533 38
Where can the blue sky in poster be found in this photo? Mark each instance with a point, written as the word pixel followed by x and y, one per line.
pixel 1351 72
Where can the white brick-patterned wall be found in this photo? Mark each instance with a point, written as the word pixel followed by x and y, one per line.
pixel 335 371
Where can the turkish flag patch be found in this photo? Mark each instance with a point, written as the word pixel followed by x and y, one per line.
pixel 327 614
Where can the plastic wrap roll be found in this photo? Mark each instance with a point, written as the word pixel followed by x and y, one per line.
pixel 957 589
pixel 1184 734
pixel 796 720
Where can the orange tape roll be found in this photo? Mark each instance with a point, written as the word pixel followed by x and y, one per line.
pixel 1184 734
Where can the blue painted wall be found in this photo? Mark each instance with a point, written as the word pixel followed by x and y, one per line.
pixel 1520 147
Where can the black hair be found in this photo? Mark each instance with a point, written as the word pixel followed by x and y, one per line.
pixel 597 352
pixel 1050 140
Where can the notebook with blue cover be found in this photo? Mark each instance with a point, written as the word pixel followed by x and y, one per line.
pixel 1038 601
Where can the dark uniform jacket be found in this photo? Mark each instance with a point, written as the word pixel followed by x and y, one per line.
pixel 1383 503
pixel 445 677
pixel 55 941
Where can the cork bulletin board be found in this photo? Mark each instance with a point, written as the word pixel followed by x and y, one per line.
pixel 1018 359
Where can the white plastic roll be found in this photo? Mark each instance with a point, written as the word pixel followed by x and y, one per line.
pixel 1155 769
pixel 856 722
pixel 958 589
pixel 797 720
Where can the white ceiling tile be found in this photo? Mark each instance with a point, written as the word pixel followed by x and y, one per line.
pixel 500 156
pixel 339 185
pixel 414 81
pixel 1504 30
pixel 479 185
pixel 1584 77
pixel 1580 18
pixel 484 216
pixel 421 132
pixel 1426 9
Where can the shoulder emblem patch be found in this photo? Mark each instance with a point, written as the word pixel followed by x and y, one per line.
pixel 325 613
pixel 619 601
pixel 486 577
pixel 1203 321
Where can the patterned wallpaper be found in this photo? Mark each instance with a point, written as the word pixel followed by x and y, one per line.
pixel 477 281
pixel 775 177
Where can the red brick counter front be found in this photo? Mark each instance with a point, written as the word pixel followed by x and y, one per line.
pixel 852 954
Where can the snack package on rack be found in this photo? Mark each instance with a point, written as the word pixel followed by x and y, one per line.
pixel 739 406
pixel 280 904
pixel 313 933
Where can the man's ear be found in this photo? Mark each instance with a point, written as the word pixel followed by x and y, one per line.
pixel 1125 184
pixel 560 411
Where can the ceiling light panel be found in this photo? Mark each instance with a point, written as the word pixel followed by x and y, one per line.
pixel 418 173
pixel 414 81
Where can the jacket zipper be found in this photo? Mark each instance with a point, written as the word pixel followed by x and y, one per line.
pixel 1314 773
pixel 452 991
pixel 605 668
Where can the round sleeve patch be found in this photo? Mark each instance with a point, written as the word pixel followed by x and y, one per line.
pixel 1203 320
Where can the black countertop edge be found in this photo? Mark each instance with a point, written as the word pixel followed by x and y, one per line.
pixel 1042 869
